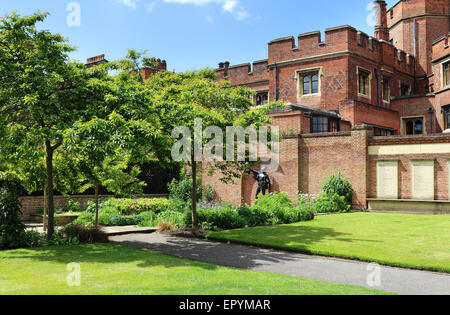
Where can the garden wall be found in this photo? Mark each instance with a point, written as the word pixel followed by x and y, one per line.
pixel 31 205
pixel 408 155
pixel 394 168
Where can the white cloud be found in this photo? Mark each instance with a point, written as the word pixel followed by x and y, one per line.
pixel 151 6
pixel 132 4
pixel 233 7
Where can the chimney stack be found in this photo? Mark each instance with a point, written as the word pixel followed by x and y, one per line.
pixel 226 65
pixel 381 29
pixel 95 61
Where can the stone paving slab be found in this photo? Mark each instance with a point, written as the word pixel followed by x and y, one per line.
pixel 396 280
pixel 123 230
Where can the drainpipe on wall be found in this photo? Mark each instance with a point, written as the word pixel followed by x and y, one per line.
pixel 430 111
pixel 276 78
pixel 415 57
pixel 377 76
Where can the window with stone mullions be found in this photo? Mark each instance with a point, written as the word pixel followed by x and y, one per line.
pixel 310 83
pixel 364 81
pixel 446 72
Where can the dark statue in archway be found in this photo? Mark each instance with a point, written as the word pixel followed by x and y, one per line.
pixel 263 180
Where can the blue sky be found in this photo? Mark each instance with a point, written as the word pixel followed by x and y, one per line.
pixel 192 34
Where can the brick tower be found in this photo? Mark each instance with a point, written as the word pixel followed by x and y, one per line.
pixel 414 25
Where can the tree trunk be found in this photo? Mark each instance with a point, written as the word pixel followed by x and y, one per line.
pixel 50 192
pixel 45 208
pixel 96 204
pixel 194 197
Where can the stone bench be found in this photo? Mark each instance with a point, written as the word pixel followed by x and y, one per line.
pixel 409 206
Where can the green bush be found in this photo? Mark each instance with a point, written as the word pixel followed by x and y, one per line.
pixel 78 232
pixel 106 214
pixel 91 207
pixel 85 219
pixel 12 230
pixel 329 203
pixel 181 206
pixel 268 210
pixel 151 219
pixel 277 208
pixel 254 216
pixel 209 193
pixel 339 185
pixel 224 219
pixel 182 189
pixel 33 239
pixel 148 219
pixel 72 206
pixel 125 220
pixel 136 206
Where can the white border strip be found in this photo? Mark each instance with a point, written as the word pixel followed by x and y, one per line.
pixel 428 148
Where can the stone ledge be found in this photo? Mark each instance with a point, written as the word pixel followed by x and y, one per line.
pixel 409 206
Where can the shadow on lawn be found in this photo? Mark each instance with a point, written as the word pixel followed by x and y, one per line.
pixel 100 254
pixel 234 255
pixel 287 235
pixel 215 253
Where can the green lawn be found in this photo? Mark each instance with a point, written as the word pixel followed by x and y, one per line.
pixel 113 269
pixel 418 241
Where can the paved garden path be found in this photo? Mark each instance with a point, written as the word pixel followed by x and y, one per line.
pixel 397 280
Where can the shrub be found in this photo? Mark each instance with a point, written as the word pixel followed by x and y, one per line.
pixel 136 206
pixel 106 214
pixel 151 219
pixel 12 230
pixel 332 202
pixel 173 217
pixel 225 219
pixel 210 194
pixel 91 207
pixel 33 239
pixel 73 206
pixel 124 220
pixel 148 219
pixel 181 206
pixel 84 234
pixel 182 189
pixel 85 219
pixel 339 185
pixel 277 208
pixel 165 226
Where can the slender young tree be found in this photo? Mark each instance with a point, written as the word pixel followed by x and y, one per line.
pixel 42 93
pixel 99 150
pixel 186 99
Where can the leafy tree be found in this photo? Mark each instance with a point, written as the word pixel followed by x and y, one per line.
pixel 99 149
pixel 42 93
pixel 182 99
pixel 11 228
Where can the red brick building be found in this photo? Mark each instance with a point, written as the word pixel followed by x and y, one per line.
pixel 396 81
pixel 161 65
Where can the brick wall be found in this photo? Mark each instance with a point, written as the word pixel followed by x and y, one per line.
pixel 404 166
pixel 305 163
pixel 432 22
pixel 307 160
pixel 31 205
